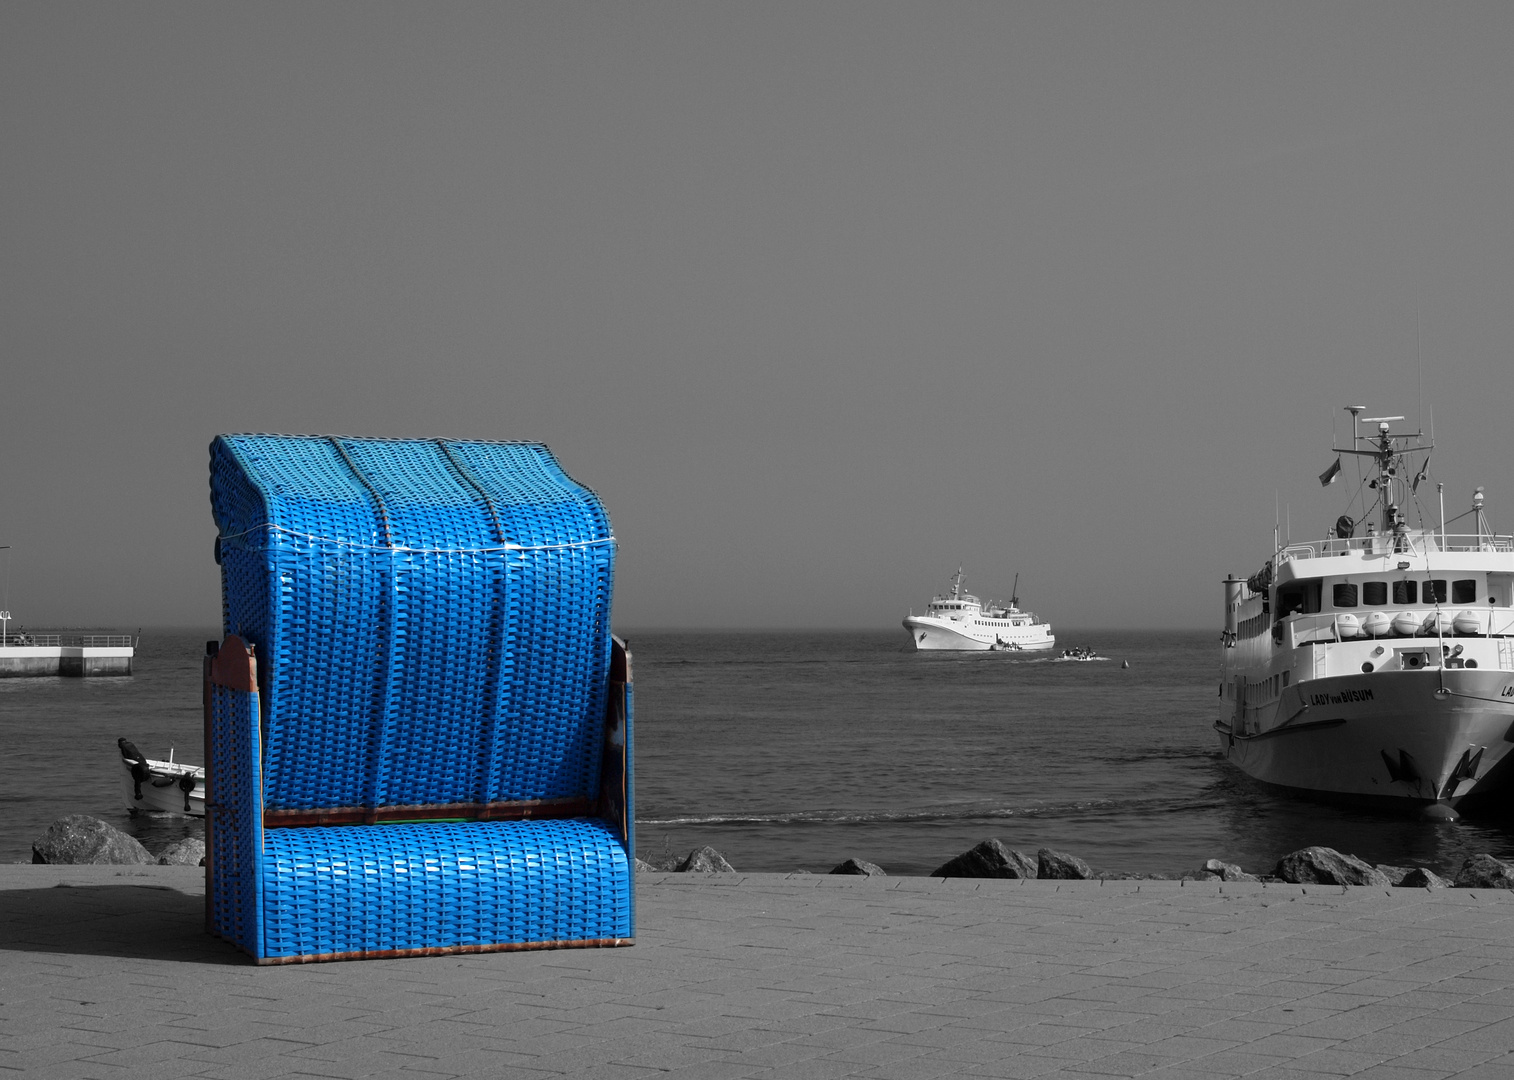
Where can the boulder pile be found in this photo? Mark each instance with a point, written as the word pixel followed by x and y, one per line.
pixel 702 860
pixel 83 840
pixel 80 839
pixel 1307 866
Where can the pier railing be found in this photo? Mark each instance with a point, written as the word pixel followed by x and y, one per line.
pixel 18 639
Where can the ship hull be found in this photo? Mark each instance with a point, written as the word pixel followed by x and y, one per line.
pixel 931 635
pixel 162 792
pixel 1425 737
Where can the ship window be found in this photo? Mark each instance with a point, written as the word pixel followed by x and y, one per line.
pixel 1405 592
pixel 1345 595
pixel 1303 596
pixel 1435 588
pixel 1374 593
pixel 1464 591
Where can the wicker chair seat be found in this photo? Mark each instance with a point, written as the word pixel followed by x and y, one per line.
pixel 385 890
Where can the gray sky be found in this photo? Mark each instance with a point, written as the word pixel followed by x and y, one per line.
pixel 823 299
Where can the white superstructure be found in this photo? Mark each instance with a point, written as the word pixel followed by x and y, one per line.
pixel 1378 666
pixel 961 621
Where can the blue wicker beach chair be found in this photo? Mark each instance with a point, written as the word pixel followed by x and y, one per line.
pixel 418 727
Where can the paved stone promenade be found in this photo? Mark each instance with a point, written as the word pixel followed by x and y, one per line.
pixel 105 972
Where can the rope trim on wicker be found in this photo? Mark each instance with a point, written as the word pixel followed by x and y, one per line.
pixel 472 481
pixel 362 478
pixel 270 527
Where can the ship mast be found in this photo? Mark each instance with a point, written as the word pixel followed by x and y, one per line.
pixel 1387 471
pixel 1388 452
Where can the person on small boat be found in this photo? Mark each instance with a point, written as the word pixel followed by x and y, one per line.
pixel 139 767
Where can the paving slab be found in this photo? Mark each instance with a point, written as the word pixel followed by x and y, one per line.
pixel 107 971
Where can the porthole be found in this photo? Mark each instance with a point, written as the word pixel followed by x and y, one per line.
pixel 1471 663
pixel 1367 668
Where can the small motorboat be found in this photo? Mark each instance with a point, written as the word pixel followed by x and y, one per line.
pixel 160 787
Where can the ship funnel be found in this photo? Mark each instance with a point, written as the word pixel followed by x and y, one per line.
pixel 1235 592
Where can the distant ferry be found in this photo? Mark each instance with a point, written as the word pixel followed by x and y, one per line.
pixel 1381 665
pixel 962 622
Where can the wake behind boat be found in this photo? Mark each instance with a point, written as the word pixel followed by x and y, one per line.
pixel 161 787
pixel 1378 666
pixel 960 621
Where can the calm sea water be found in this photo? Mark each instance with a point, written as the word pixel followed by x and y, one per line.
pixel 794 751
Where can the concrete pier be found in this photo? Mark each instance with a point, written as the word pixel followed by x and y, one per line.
pixel 108 973
pixel 59 654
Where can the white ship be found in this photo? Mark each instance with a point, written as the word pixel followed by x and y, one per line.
pixel 961 621
pixel 1378 666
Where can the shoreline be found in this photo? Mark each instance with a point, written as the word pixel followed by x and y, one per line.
pixel 109 971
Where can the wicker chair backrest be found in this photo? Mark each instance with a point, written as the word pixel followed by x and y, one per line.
pixel 431 618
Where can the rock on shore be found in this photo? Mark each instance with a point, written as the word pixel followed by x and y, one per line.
pixel 79 838
pixel 702 860
pixel 1060 866
pixel 1326 866
pixel 1485 872
pixel 1224 871
pixel 187 852
pixel 990 859
pixel 859 867
pixel 1420 878
pixel 705 860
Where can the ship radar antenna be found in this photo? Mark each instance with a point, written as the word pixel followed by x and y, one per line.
pixel 1355 411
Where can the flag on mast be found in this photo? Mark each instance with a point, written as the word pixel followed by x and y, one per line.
pixel 1327 477
pixel 1423 472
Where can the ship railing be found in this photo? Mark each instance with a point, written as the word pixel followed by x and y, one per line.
pixel 1417 542
pixel 1323 627
pixel 1480 543
pixel 19 639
